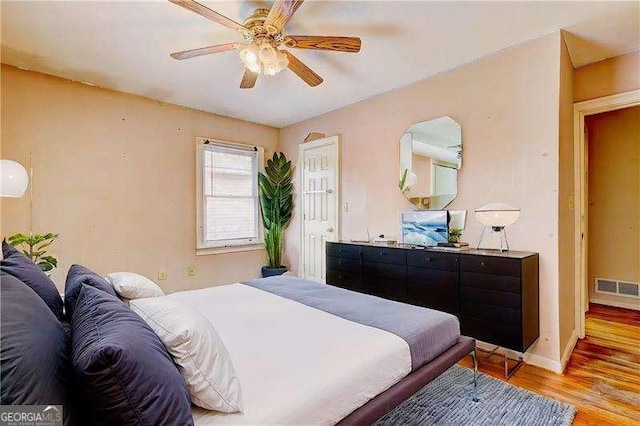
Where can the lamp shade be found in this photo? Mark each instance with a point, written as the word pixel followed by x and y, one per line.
pixel 497 215
pixel 14 179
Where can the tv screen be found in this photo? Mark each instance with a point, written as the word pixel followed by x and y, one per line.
pixel 425 228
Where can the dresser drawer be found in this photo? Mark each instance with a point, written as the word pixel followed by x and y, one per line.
pixel 344 264
pixel 388 287
pixel 507 316
pixel 432 278
pixel 377 269
pixel 441 299
pixel 492 332
pixel 344 279
pixel 431 260
pixel 344 250
pixel 385 255
pixel 490 297
pixel 490 265
pixel 490 282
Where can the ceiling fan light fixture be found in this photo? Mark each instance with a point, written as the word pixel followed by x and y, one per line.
pixel 274 68
pixel 267 54
pixel 249 55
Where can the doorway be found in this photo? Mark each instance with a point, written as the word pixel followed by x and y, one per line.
pixel 582 111
pixel 320 202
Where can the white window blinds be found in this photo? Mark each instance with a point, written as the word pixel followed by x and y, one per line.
pixel 229 196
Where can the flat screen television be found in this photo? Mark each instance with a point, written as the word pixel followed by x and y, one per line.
pixel 425 228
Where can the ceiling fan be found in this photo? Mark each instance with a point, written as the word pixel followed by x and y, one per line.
pixel 264 34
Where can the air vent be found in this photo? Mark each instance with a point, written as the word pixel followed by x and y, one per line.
pixel 619 288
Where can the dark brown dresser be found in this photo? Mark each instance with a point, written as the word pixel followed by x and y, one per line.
pixel 493 293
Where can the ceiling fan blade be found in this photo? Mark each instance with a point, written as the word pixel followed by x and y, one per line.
pixel 338 44
pixel 248 79
pixel 303 71
pixel 186 54
pixel 201 10
pixel 280 13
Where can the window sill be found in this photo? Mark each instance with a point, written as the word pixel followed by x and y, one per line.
pixel 205 251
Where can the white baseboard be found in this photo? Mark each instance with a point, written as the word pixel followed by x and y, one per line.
pixel 543 362
pixel 635 305
pixel 568 350
pixel 529 358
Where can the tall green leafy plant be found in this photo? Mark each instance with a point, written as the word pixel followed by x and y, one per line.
pixel 35 248
pixel 276 204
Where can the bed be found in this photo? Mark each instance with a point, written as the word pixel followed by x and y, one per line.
pixel 309 353
pixel 302 352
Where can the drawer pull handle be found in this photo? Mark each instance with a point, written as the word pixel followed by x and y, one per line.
pixel 483 264
pixel 382 253
pixel 431 259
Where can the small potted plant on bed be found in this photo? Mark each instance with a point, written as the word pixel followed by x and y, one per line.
pixel 276 205
pixel 34 247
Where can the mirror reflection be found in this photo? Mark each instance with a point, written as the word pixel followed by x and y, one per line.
pixel 430 157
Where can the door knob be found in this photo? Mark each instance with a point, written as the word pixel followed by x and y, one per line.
pixel 329 229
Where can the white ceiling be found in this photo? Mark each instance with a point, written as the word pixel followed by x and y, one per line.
pixel 125 46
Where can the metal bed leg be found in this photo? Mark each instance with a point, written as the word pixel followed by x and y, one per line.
pixel 474 356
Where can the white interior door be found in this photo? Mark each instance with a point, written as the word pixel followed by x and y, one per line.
pixel 320 201
pixel 444 180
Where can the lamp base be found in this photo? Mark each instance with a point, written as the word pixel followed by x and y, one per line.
pixel 504 242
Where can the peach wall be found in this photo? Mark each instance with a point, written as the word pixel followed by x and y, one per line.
pixel 566 246
pixel 614 75
pixel 614 198
pixel 114 175
pixel 507 105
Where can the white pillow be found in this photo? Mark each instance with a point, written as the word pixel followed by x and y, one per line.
pixel 197 350
pixel 130 285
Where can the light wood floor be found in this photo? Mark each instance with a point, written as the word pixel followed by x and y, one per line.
pixel 602 378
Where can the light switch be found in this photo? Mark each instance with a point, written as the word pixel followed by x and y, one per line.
pixel 345 206
pixel 191 271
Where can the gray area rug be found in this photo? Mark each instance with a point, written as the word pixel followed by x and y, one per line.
pixel 448 400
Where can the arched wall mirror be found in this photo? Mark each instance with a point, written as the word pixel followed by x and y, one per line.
pixel 430 157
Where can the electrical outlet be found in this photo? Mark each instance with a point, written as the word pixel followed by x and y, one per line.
pixel 191 271
pixel 162 274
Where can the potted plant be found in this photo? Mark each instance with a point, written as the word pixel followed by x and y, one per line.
pixel 35 248
pixel 454 235
pixel 276 206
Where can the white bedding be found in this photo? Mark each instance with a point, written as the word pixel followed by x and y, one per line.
pixel 296 364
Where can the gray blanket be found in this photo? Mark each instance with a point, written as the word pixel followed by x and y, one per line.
pixel 427 332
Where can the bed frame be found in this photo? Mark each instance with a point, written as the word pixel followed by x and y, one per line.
pixel 370 412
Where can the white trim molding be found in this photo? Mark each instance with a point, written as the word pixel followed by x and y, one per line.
pixel 631 304
pixel 580 111
pixel 568 350
pixel 529 358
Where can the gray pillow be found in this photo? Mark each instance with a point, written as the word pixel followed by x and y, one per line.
pixel 17 264
pixel 76 277
pixel 34 363
pixel 122 368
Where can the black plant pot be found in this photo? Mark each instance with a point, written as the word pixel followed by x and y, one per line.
pixel 272 272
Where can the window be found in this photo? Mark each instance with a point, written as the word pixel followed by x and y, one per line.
pixel 228 209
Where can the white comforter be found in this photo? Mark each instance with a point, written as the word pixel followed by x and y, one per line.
pixel 296 364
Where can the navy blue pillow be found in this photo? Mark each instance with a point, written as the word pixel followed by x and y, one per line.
pixel 17 264
pixel 77 276
pixel 34 359
pixel 122 368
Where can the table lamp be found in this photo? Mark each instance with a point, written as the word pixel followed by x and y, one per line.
pixel 496 216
